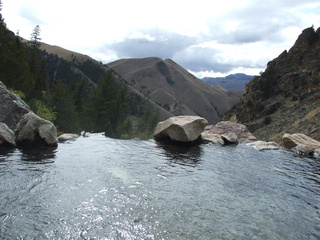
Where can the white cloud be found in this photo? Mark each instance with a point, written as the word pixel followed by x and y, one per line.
pixel 204 36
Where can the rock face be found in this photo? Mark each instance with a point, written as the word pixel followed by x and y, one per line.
pixel 6 135
pixel 35 131
pixel 12 107
pixel 228 132
pixel 180 129
pixel 300 142
pixel 285 98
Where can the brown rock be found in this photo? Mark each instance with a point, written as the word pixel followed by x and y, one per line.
pixel 300 142
pixel 229 132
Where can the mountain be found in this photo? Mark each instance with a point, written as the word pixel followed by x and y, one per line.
pixel 286 97
pixel 232 82
pixel 173 88
pixel 152 82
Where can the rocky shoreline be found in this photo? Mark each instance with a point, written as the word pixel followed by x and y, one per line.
pixel 19 127
pixel 191 129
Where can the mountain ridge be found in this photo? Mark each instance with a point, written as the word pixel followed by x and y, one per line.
pixel 232 82
pixel 174 88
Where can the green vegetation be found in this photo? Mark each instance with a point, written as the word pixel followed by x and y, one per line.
pixel 70 99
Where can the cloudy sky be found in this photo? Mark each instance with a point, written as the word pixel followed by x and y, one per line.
pixel 207 37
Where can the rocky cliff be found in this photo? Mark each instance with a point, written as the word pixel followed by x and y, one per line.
pixel 286 97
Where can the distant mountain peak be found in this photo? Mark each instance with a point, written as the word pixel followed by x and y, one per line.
pixel 232 82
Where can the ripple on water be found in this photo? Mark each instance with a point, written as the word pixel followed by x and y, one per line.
pixel 98 187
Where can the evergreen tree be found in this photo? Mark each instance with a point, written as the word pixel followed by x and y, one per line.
pixel 1 19
pixel 14 66
pixel 147 122
pixel 60 99
pixel 106 110
pixel 37 65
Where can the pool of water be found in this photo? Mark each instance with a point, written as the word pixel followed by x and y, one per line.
pixel 103 188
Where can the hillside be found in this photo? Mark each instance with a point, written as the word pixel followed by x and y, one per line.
pixel 173 88
pixel 162 84
pixel 232 82
pixel 286 97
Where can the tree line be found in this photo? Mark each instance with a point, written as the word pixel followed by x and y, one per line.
pixel 71 102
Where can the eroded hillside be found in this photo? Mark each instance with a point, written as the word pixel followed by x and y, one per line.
pixel 286 97
pixel 173 88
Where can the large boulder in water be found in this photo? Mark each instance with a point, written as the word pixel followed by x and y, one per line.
pixel 300 142
pixel 180 129
pixel 33 130
pixel 12 107
pixel 229 132
pixel 6 135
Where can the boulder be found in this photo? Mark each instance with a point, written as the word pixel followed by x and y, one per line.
pixel 67 136
pixel 212 138
pixel 6 135
pixel 303 149
pixel 180 129
pixel 262 145
pixel 229 132
pixel 12 107
pixel 36 131
pixel 300 142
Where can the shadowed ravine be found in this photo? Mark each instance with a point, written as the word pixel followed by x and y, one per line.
pixel 101 188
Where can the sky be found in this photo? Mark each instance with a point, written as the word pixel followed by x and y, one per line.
pixel 209 38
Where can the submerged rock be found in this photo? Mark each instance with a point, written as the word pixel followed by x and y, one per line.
pixel 6 135
pixel 67 136
pixel 262 145
pixel 180 129
pixel 229 132
pixel 300 142
pixel 33 130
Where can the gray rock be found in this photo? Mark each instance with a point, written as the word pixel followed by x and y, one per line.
pixel 67 136
pixel 34 130
pixel 7 135
pixel 180 129
pixel 262 145
pixel 12 107
pixel 229 132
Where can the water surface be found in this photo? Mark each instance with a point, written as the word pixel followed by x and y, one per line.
pixel 102 188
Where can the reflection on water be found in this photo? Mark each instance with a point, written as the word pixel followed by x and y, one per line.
pixel 40 154
pixel 5 151
pixel 182 154
pixel 101 188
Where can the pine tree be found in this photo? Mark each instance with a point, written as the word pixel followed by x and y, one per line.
pixel 37 65
pixel 106 110
pixel 35 48
pixel 60 99
pixel 1 19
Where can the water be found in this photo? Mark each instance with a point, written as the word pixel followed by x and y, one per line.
pixel 101 188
